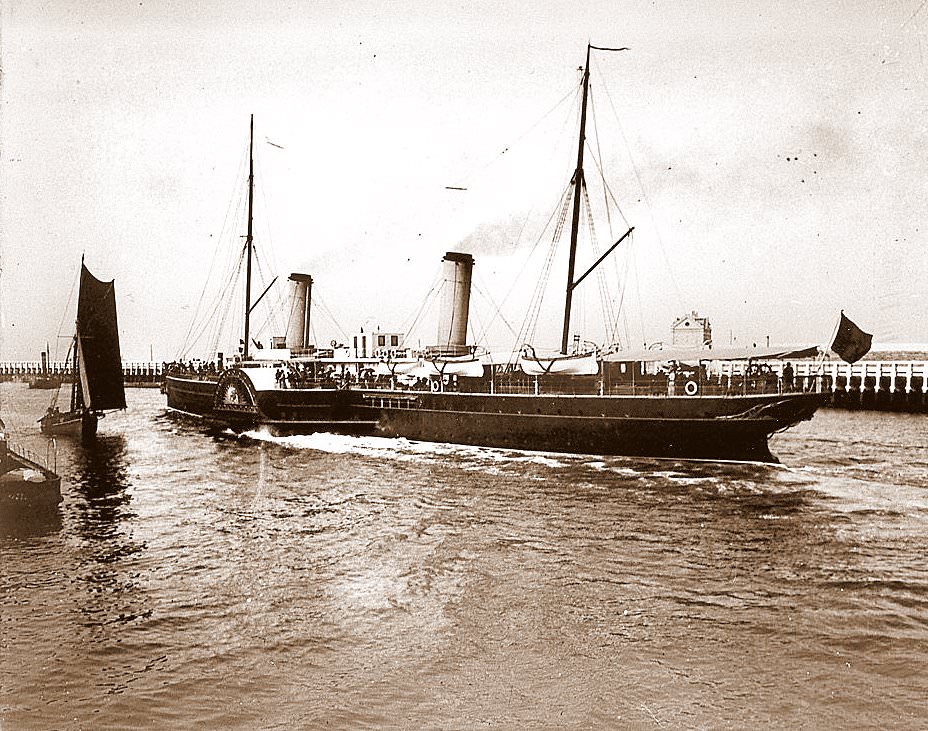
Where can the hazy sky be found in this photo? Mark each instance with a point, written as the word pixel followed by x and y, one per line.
pixel 773 161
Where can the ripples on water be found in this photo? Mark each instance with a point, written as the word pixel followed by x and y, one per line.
pixel 250 582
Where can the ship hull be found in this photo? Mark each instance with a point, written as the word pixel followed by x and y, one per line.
pixel 25 484
pixel 722 428
pixel 232 401
pixel 703 427
pixel 295 411
pixel 190 395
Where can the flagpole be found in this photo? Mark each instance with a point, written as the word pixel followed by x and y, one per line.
pixel 831 340
pixel 821 359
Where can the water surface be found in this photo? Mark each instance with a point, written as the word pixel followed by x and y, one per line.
pixel 216 581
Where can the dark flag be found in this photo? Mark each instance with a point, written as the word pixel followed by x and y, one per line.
pixel 851 343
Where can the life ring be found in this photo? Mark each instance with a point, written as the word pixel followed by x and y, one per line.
pixel 691 388
pixel 436 386
pixel 333 343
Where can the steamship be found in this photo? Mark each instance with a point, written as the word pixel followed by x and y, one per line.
pixel 582 399
pixel 263 390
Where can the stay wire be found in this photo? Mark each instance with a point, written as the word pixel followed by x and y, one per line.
pixel 647 200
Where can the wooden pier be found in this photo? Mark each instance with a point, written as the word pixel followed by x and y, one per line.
pixel 877 385
pixel 135 373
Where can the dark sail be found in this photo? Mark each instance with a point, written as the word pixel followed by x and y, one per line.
pixel 99 359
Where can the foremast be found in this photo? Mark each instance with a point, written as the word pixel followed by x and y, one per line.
pixel 249 239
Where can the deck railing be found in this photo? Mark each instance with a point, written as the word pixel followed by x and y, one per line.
pixel 49 461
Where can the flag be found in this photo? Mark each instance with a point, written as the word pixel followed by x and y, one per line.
pixel 851 343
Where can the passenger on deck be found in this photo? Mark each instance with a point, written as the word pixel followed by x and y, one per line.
pixel 788 377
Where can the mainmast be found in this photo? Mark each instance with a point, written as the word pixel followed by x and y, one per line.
pixel 248 238
pixel 575 218
pixel 578 191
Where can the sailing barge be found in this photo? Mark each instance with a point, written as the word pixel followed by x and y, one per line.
pixel 580 400
pixel 97 385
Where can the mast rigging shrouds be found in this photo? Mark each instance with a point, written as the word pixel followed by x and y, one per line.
pixel 578 188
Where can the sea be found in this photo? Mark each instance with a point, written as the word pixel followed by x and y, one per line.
pixel 203 580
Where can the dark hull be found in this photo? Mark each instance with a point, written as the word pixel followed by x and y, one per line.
pixel 190 395
pixel 45 382
pixel 713 428
pixel 282 411
pixel 17 494
pixel 702 427
pixel 295 411
pixel 24 484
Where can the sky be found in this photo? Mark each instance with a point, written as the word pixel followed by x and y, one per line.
pixel 771 157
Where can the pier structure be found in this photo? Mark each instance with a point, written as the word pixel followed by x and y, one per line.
pixel 880 385
pixel 135 373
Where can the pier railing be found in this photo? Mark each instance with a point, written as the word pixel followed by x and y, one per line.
pixel 23 370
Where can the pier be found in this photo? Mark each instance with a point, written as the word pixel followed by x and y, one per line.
pixel 877 385
pixel 135 373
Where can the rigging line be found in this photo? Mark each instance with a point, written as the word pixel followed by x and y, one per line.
pixel 554 212
pixel 606 187
pixel 410 322
pixel 273 307
pixel 200 330
pixel 266 218
pixel 474 171
pixel 527 330
pixel 270 324
pixel 497 309
pixel 220 246
pixel 432 296
pixel 324 308
pixel 67 306
pixel 620 301
pixel 620 296
pixel 273 313
pixel 638 291
pixel 605 303
pixel 647 200
pixel 219 327
pixel 209 319
pixel 224 296
pixel 530 324
pixel 598 154
pixel 607 192
pixel 620 280
pixel 912 16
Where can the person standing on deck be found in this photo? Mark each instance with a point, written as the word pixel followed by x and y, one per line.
pixel 788 377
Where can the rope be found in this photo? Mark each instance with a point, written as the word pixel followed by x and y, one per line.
pixel 530 323
pixel 318 302
pixel 605 300
pixel 468 176
pixel 235 204
pixel 647 200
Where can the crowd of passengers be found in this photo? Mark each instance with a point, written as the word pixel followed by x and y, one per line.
pixel 759 377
